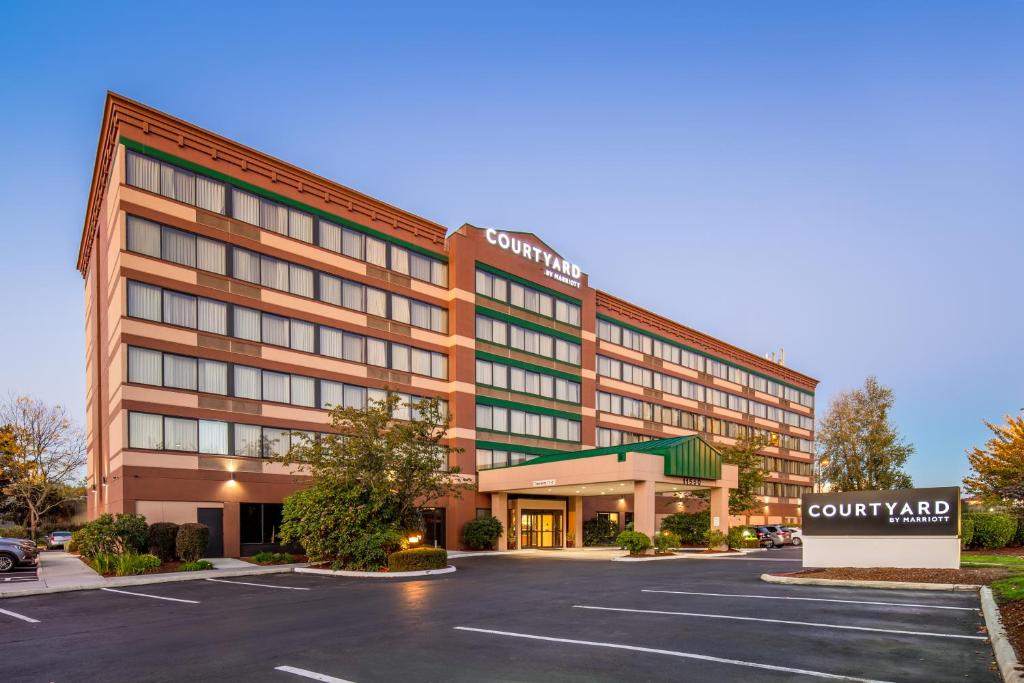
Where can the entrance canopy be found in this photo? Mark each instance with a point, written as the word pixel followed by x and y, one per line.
pixel 682 463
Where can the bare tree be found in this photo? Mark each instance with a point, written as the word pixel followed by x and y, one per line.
pixel 45 458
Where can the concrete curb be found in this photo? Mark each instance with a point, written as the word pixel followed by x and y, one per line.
pixel 1006 658
pixel 647 558
pixel 145 580
pixel 887 585
pixel 373 575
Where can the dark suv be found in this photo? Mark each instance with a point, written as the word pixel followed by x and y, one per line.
pixel 15 552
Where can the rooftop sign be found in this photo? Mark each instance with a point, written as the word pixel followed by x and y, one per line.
pixel 555 266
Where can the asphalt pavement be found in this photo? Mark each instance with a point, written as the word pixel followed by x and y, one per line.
pixel 501 618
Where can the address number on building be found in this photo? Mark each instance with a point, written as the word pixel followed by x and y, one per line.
pixel 544 482
pixel 692 481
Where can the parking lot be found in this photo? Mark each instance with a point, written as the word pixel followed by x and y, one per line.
pixel 508 618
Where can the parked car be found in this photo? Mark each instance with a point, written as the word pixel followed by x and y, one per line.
pixel 16 552
pixel 57 539
pixel 796 534
pixel 777 534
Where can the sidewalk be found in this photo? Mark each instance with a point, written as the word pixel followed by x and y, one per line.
pixel 60 572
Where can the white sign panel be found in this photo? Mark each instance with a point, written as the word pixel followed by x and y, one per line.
pixel 544 482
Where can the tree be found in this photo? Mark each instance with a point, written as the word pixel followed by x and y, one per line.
pixel 858 448
pixel 44 452
pixel 751 467
pixel 997 470
pixel 385 469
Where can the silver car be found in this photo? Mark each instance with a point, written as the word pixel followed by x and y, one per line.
pixel 58 539
pixel 16 552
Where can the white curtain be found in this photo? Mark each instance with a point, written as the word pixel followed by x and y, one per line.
pixel 143 172
pixel 180 434
pixel 275 387
pixel 439 273
pixel 419 267
pixel 400 357
pixel 376 302
pixel 352 295
pixel 331 393
pixel 376 352
pixel 438 319
pixel 303 391
pixel 300 281
pixel 213 437
pixel 275 330
pixel 144 366
pixel 331 342
pixel 421 362
pixel 273 216
pixel 145 431
pixel 247 440
pixel 211 255
pixel 247 324
pixel 144 301
pixel 273 273
pixel 180 309
pixel 302 335
pixel 330 289
pixel 143 237
pixel 245 207
pixel 419 315
pixel 213 316
pixel 209 194
pixel 179 372
pixel 399 260
pixel 330 236
pixel 376 252
pixel 213 377
pixel 245 265
pixel 178 246
pixel 247 382
pixel 353 244
pixel 354 348
pixel 355 397
pixel 399 308
pixel 300 225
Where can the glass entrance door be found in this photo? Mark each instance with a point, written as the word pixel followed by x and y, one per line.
pixel 541 529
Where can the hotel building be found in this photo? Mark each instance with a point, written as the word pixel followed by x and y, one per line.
pixel 230 298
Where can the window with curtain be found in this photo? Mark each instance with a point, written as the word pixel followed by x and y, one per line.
pixel 399 308
pixel 144 301
pixel 211 256
pixel 353 244
pixel 246 323
pixel 303 335
pixel 245 206
pixel 275 330
pixel 484 372
pixel 352 295
pixel 376 252
pixel 303 391
pixel 213 316
pixel 419 267
pixel 353 348
pixel 276 387
pixel 213 377
pixel 276 442
pixel 177 246
pixel 247 382
pixel 399 260
pixel 273 273
pixel 179 372
pixel 355 397
pixel 376 352
pixel 419 314
pixel 300 225
pixel 210 194
pixel 248 440
pixel 143 237
pixel 179 309
pixel 331 342
pixel 400 357
pixel 376 302
pixel 273 216
pixel 300 281
pixel 180 434
pixel 144 366
pixel 245 265
pixel 142 172
pixel 145 431
pixel 421 362
pixel 213 437
pixel 177 183
pixel 331 393
pixel 330 289
pixel 331 236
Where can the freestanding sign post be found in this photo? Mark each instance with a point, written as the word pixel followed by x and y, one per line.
pixel 898 528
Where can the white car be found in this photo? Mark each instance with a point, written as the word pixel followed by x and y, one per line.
pixel 795 534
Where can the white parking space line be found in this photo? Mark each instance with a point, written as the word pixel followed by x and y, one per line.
pixel 261 585
pixel 673 653
pixel 783 621
pixel 19 616
pixel 147 595
pixel 310 674
pixel 791 597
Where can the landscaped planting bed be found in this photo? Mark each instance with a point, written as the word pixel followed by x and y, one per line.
pixel 975 577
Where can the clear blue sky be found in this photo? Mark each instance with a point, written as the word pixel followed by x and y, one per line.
pixel 844 180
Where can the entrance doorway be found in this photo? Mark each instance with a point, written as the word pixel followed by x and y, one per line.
pixel 541 529
pixel 214 519
pixel 433 523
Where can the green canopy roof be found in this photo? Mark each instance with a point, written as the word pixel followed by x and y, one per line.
pixel 685 456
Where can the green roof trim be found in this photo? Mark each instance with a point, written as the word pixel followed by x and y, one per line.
pixel 526 407
pixel 655 335
pixel 504 317
pixel 255 189
pixel 483 355
pixel 528 283
pixel 685 456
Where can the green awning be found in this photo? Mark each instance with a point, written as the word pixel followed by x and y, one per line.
pixel 685 456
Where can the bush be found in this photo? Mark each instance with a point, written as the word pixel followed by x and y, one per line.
pixel 1018 538
pixel 272 558
pixel 664 541
pixel 482 533
pixel 738 535
pixel 191 541
pixel 13 532
pixel 131 534
pixel 599 531
pixel 966 531
pixel 343 525
pixel 130 564
pixel 162 540
pixel 110 534
pixel 417 559
pixel 70 546
pixel 992 529
pixel 715 539
pixel 104 563
pixel 689 526
pixel 633 541
pixel 196 566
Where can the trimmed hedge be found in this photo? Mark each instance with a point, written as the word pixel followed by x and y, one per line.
pixel 163 539
pixel 418 559
pixel 992 529
pixel 191 542
pixel 966 531
pixel 633 541
pixel 689 526
pixel 714 539
pixel 482 533
pixel 664 541
pixel 738 534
